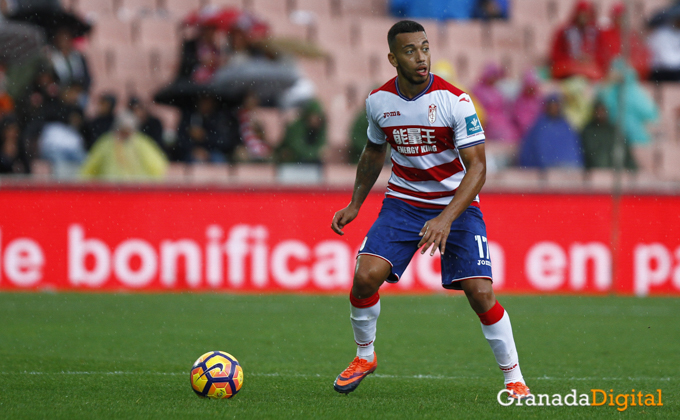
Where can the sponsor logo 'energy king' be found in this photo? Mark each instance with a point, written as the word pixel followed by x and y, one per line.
pixel 599 398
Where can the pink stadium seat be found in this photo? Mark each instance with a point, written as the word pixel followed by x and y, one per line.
pixel 507 37
pixel 670 94
pixel 110 32
pixel 208 173
pixel 571 179
pixel 339 174
pixel 93 9
pixel 336 33
pixel 600 179
pixel 100 62
pixel 349 64
pixel 272 124
pixel 320 7
pixel 131 62
pixel 40 168
pixel 464 35
pixel 227 3
pixel 267 7
pixel 168 115
pixel 260 173
pixel 529 11
pixel 180 8
pixel 648 157
pixel 283 28
pixel 518 178
pixel 373 34
pixel 138 7
pixel 363 8
pixel 163 62
pixel 177 172
pixel 670 161
pixel 162 33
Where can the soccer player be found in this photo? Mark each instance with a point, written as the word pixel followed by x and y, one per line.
pixel 438 169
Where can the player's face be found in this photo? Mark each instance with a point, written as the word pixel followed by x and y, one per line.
pixel 411 57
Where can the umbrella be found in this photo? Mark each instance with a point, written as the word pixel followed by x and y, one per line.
pixel 222 19
pixel 183 93
pixel 18 42
pixel 265 78
pixel 664 16
pixel 53 19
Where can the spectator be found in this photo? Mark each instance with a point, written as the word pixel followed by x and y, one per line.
pixel 305 137
pixel 6 102
pixel 598 140
pixel 148 123
pixel 125 154
pixel 490 9
pixel 69 64
pixel 200 57
pixel 551 142
pixel 445 70
pixel 575 45
pixel 358 136
pixel 528 104
pixel 577 102
pixel 639 110
pixel 206 134
pixel 61 142
pixel 103 119
pixel 664 45
pixel 499 124
pixel 611 44
pixel 253 145
pixel 12 158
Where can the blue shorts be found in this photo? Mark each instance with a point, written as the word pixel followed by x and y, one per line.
pixel 394 237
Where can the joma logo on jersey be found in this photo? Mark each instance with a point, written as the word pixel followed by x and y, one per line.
pixel 391 114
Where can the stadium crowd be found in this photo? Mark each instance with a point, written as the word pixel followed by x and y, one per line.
pixel 231 69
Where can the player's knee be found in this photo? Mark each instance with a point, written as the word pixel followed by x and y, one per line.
pixel 366 284
pixel 481 294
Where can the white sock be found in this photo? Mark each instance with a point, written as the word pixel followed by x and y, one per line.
pixel 364 322
pixel 499 336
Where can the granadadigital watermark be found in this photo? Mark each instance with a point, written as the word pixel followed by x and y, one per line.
pixel 596 398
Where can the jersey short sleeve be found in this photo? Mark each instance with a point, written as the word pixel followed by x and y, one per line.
pixel 374 132
pixel 466 126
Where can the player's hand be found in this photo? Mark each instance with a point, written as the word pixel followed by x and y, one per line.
pixel 342 218
pixel 435 232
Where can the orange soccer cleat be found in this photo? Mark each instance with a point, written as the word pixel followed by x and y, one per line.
pixel 518 391
pixel 351 377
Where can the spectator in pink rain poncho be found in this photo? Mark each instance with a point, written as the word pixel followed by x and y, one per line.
pixel 529 103
pixel 499 124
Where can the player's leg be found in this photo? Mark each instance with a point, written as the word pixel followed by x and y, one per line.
pixel 370 273
pixel 467 266
pixel 497 330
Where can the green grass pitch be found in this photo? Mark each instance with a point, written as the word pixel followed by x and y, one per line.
pixel 127 356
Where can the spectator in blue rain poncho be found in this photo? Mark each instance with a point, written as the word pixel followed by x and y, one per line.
pixel 551 142
pixel 639 109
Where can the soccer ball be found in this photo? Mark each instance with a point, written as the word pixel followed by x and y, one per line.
pixel 217 375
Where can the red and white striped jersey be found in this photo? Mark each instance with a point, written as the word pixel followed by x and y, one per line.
pixel 426 133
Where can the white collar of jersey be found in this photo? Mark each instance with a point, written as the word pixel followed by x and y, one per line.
pixel 429 85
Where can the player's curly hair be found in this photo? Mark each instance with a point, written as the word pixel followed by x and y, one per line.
pixel 403 27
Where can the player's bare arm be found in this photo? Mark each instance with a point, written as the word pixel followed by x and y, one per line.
pixel 436 231
pixel 368 170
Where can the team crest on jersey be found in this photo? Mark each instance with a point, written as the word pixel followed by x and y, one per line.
pixel 432 113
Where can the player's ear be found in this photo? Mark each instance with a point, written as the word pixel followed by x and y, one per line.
pixel 393 59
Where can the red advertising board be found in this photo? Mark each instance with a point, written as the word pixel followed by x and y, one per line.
pixel 272 241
